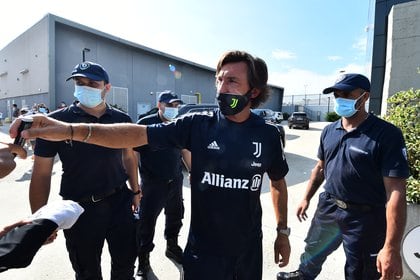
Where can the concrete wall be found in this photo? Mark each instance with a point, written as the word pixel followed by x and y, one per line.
pixel 382 9
pixel 403 50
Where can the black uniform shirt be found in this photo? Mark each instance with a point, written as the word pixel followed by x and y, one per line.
pixel 357 161
pixel 228 162
pixel 158 164
pixel 87 169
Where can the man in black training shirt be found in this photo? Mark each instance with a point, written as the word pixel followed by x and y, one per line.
pixel 230 152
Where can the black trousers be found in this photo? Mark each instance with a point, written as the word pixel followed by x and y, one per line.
pixel 205 266
pixel 19 246
pixel 158 195
pixel 110 219
pixel 362 234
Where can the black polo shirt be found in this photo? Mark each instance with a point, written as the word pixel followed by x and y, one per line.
pixel 357 161
pixel 158 164
pixel 87 169
pixel 228 163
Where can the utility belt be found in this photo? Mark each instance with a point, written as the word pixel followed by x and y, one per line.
pixel 351 206
pixel 101 196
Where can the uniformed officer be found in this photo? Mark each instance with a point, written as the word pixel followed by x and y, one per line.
pixel 95 177
pixel 161 185
pixel 363 161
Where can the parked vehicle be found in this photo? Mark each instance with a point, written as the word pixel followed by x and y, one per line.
pixel 196 108
pixel 278 117
pixel 298 119
pixel 151 111
pixel 267 114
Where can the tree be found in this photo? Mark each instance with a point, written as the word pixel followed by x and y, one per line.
pixel 404 112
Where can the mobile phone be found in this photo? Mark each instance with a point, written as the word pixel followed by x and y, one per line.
pixel 26 122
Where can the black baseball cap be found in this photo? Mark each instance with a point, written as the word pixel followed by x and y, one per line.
pixel 168 96
pixel 91 71
pixel 349 82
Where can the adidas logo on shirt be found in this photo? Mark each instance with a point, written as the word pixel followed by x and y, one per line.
pixel 213 146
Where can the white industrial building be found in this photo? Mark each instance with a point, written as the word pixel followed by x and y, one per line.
pixel 34 67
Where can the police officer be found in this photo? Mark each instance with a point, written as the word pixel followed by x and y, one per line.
pixel 161 185
pixel 93 176
pixel 362 159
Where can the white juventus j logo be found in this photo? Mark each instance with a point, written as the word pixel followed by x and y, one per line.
pixel 257 152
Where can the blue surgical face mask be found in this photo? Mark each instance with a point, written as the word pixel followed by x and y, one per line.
pixel 170 113
pixel 88 96
pixel 346 107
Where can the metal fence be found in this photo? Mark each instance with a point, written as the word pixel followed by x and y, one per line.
pixel 316 106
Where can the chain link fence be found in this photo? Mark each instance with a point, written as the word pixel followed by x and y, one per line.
pixel 316 106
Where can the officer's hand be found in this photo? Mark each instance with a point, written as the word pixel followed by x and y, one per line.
pixel 301 210
pixel 281 250
pixel 389 263
pixel 136 201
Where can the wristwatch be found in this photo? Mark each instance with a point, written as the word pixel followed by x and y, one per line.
pixel 285 231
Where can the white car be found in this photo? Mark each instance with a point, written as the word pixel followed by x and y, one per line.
pixel 278 117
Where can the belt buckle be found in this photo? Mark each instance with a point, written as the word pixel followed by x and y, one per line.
pixel 341 204
pixel 95 200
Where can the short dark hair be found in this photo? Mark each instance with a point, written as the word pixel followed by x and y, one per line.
pixel 257 73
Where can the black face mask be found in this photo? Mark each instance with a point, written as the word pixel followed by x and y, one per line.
pixel 231 104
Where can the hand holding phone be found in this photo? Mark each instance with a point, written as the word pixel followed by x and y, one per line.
pixel 25 123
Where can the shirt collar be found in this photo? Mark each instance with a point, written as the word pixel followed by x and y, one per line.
pixel 77 110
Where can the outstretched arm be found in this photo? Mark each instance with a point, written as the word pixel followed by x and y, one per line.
pixel 121 135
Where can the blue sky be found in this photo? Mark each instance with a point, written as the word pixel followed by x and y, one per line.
pixel 306 43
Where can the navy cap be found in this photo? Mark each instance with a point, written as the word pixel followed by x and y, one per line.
pixel 168 96
pixel 349 82
pixel 91 71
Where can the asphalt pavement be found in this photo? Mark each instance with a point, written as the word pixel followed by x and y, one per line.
pixel 52 262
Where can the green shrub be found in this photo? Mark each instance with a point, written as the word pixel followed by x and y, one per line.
pixel 332 117
pixel 404 112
